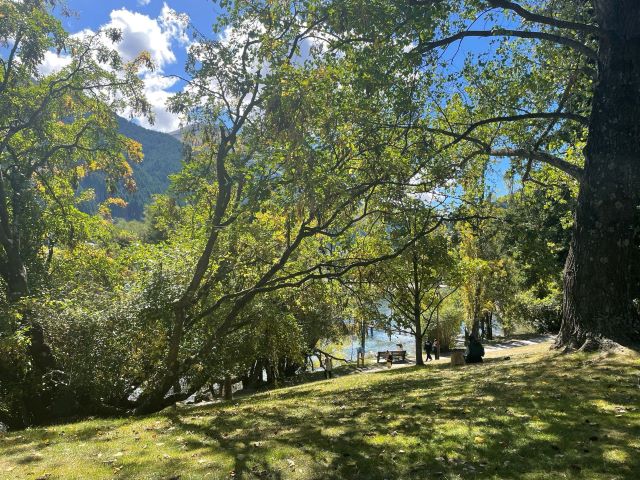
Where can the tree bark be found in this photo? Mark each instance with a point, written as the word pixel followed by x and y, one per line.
pixel 419 337
pixel 417 308
pixel 154 397
pixel 602 271
pixel 228 388
pixel 37 393
pixel 475 327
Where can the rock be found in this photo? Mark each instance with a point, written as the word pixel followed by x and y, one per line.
pixel 457 358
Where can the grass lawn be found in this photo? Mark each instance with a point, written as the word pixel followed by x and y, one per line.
pixel 539 415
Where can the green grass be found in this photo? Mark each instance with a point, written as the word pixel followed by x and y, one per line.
pixel 538 415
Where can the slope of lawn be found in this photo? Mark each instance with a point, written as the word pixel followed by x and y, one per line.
pixel 537 415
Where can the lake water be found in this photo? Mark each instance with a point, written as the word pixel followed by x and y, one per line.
pixel 379 342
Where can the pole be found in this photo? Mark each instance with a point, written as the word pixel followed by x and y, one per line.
pixel 438 327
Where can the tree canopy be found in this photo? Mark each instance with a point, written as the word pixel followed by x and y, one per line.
pixel 338 172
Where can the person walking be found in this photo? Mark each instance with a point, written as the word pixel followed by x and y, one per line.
pixel 428 347
pixel 436 348
pixel 328 367
pixel 389 359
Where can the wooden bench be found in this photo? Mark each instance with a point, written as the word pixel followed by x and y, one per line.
pixel 398 355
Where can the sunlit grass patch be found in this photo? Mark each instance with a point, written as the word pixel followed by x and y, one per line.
pixel 538 415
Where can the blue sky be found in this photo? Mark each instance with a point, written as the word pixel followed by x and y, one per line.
pixel 147 25
pixel 151 25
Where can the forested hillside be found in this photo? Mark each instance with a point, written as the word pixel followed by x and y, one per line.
pixel 162 157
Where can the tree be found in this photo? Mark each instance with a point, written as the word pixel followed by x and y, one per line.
pixel 54 129
pixel 560 73
pixel 484 270
pixel 364 302
pixel 293 161
pixel 416 283
pixel 534 237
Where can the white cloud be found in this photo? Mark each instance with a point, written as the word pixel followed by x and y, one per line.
pixel 157 36
pixel 53 62
pixel 174 24
pixel 142 33
pixel 156 90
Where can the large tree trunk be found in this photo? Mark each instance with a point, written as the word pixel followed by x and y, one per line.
pixel 17 289
pixel 228 388
pixel 417 308
pixel 602 273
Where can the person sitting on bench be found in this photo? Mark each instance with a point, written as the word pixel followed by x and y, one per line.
pixel 475 351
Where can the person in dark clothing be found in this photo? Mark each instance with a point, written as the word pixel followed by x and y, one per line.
pixel 428 348
pixel 475 351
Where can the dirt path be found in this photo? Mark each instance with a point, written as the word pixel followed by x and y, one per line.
pixel 496 348
pixel 507 344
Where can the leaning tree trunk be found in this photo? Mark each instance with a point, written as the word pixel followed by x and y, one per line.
pixel 155 397
pixel 602 273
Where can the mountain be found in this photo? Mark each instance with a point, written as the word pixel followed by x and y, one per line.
pixel 178 134
pixel 162 157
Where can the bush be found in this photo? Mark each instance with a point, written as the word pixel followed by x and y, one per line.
pixel 450 319
pixel 535 309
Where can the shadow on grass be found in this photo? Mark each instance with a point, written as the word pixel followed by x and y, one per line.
pixel 571 416
pixel 492 420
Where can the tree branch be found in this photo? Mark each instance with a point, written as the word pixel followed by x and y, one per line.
pixel 501 32
pixel 538 18
pixel 561 164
